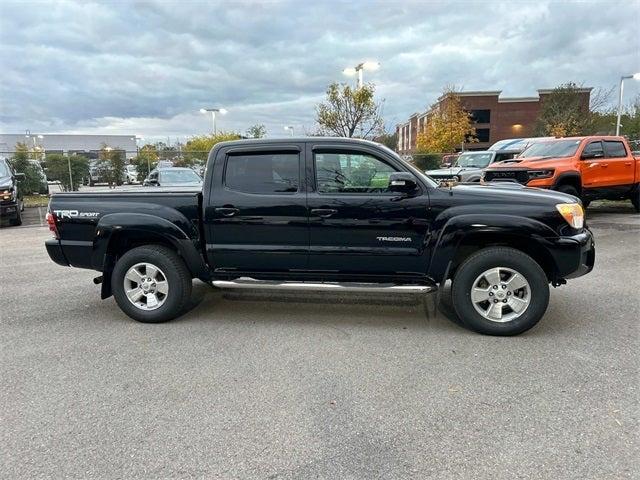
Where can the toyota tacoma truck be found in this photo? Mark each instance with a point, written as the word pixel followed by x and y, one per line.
pixel 591 168
pixel 327 214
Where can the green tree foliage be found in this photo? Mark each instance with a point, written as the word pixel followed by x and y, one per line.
pixel 111 165
pixel 427 161
pixel 349 112
pixel 197 148
pixel 23 162
pixel 146 160
pixel 564 113
pixel 57 168
pixel 387 139
pixel 257 131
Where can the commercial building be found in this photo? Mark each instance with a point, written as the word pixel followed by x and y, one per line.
pixel 494 118
pixel 89 145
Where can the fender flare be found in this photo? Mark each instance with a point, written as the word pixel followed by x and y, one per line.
pixel 571 175
pixel 111 226
pixel 456 229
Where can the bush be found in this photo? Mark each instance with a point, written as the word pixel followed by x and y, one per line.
pixel 427 161
pixel 57 168
pixel 32 183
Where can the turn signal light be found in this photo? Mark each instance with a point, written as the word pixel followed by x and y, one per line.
pixel 572 213
pixel 53 228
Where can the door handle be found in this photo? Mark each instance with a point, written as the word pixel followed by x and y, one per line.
pixel 323 212
pixel 227 211
pixel 604 165
pixel 628 164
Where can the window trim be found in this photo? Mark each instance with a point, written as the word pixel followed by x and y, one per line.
pixel 591 143
pixel 347 150
pixel 239 152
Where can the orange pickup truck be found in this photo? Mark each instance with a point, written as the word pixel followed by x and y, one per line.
pixel 591 168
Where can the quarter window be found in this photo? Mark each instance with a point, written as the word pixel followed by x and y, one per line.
pixel 263 173
pixel 351 173
pixel 614 149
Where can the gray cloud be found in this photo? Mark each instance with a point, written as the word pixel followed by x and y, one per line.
pixel 147 67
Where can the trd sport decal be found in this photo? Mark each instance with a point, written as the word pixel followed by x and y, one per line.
pixel 74 214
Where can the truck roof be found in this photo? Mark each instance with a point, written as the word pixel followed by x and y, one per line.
pixel 285 140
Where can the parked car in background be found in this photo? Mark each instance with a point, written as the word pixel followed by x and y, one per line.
pixel 131 172
pixel 448 160
pixel 469 165
pixel 517 144
pixel 331 214
pixel 11 204
pixel 164 164
pixel 172 177
pixel 591 168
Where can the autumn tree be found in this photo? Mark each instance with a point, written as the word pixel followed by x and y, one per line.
pixel 146 160
pixel 349 112
pixel 23 163
pixel 111 165
pixel 257 131
pixel 564 113
pixel 197 148
pixel 58 165
pixel 448 126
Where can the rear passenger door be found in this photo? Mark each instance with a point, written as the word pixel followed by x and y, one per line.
pixel 256 215
pixel 620 167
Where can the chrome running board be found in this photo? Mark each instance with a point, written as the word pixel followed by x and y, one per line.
pixel 253 284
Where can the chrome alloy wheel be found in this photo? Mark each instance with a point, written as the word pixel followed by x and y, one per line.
pixel 146 286
pixel 500 294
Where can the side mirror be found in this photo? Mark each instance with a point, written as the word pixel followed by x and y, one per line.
pixel 403 182
pixel 590 155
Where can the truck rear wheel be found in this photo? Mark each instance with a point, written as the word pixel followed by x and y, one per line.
pixel 151 284
pixel 500 291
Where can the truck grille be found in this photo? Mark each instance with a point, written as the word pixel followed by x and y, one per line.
pixel 520 176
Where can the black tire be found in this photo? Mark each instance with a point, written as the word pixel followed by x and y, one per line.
pixel 635 199
pixel 568 189
pixel 17 221
pixel 492 257
pixel 177 276
pixel 586 203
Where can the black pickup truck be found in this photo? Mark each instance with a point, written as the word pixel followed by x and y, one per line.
pixel 331 214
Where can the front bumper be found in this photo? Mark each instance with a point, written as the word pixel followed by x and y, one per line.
pixel 574 256
pixel 54 249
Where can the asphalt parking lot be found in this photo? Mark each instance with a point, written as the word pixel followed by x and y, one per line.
pixel 282 387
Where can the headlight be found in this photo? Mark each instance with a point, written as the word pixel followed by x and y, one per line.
pixel 7 194
pixel 455 178
pixel 535 174
pixel 572 213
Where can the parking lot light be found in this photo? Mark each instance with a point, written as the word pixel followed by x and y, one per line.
pixel 221 111
pixel 290 128
pixel 635 76
pixel 370 65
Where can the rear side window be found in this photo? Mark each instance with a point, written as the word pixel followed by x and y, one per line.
pixel 263 173
pixel 614 149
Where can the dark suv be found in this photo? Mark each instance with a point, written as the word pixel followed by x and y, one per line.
pixel 10 196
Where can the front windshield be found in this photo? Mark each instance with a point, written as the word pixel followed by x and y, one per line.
pixel 477 160
pixel 553 149
pixel 179 176
pixel 4 169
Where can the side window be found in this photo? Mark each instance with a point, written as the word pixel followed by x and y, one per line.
pixel 594 148
pixel 263 173
pixel 351 173
pixel 614 149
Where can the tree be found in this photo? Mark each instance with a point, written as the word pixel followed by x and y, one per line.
pixel 564 113
pixel 111 165
pixel 22 164
pixel 389 140
pixel 257 131
pixel 349 112
pixel 145 161
pixel 448 126
pixel 197 148
pixel 57 166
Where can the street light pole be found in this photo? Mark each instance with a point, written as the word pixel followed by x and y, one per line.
pixel 290 128
pixel 213 111
pixel 358 69
pixel 635 76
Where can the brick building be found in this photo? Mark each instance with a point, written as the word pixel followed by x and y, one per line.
pixel 494 118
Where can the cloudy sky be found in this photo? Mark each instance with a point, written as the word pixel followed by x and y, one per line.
pixel 147 67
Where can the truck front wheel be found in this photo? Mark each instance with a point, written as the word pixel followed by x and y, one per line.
pixel 500 291
pixel 151 284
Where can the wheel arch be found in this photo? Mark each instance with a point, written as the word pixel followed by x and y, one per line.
pixel 571 178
